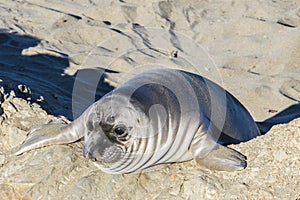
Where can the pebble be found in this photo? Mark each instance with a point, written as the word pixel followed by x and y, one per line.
pixel 2 159
pixel 25 123
pixel 40 99
pixel 24 89
pixel 280 155
pixel 1 94
pixel 16 136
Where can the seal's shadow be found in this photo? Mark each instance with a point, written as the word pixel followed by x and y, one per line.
pixel 283 117
pixel 42 73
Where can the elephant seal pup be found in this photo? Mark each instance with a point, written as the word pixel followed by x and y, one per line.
pixel 158 116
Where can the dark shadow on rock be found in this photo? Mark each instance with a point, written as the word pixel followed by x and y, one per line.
pixel 40 75
pixel 282 117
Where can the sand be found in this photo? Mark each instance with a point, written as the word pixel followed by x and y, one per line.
pixel 251 48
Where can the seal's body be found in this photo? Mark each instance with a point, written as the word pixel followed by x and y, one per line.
pixel 158 116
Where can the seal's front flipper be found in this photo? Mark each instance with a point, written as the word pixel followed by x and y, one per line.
pixel 49 134
pixel 222 158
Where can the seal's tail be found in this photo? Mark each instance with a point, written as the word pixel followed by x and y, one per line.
pixel 283 117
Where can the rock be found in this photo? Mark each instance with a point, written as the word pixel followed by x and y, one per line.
pixel 2 159
pixel 1 100
pixel 1 95
pixel 16 136
pixel 24 92
pixel 272 171
pixel 280 155
pixel 24 89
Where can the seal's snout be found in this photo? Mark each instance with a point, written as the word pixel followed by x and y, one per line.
pixel 91 151
pixel 107 155
pixel 98 147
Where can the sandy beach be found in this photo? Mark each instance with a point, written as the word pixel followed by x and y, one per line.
pixel 58 57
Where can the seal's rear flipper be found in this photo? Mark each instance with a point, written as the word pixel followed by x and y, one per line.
pixel 49 134
pixel 222 158
pixel 209 154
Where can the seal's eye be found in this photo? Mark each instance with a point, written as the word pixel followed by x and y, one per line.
pixel 120 131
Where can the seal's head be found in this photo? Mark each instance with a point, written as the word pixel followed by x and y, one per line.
pixel 112 126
